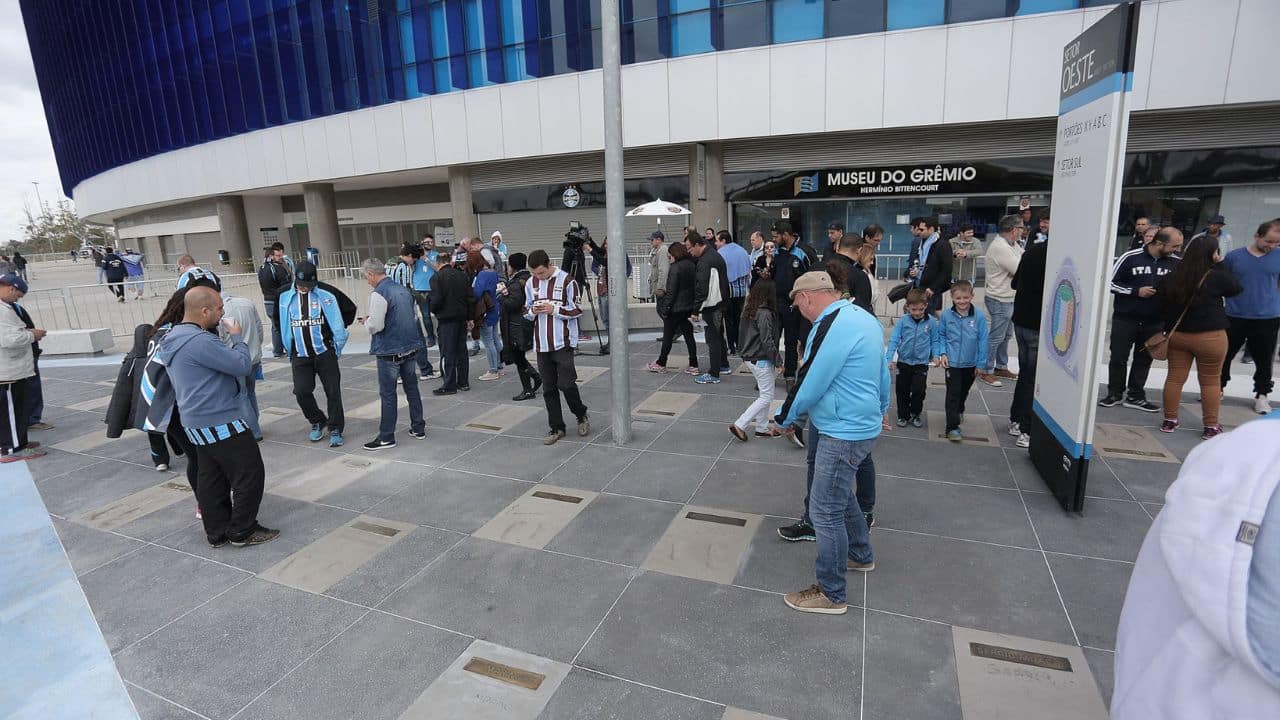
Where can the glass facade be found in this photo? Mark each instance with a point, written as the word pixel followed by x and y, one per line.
pixel 122 80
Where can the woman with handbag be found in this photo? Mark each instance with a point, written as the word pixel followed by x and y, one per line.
pixel 675 308
pixel 484 285
pixel 1195 324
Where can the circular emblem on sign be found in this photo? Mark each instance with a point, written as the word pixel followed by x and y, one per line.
pixel 571 198
pixel 1062 317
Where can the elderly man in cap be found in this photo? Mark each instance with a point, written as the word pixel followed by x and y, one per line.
pixel 17 366
pixel 843 386
pixel 1217 223
pixel 659 265
pixel 313 336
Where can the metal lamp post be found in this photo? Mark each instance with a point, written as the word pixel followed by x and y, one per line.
pixel 619 358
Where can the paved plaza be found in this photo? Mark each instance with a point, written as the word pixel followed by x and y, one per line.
pixel 575 573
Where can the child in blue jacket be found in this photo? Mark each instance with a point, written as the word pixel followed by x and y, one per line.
pixel 964 338
pixel 917 341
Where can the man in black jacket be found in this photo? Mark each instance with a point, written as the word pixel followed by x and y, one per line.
pixel 517 330
pixel 274 278
pixel 1137 317
pixel 1028 282
pixel 792 262
pixel 711 297
pixel 451 303
pixel 934 275
pixel 114 269
pixel 856 282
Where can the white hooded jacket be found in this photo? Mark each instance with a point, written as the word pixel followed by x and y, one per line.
pixel 1182 649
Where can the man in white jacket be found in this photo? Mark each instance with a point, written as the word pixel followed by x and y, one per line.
pixel 17 363
pixel 1199 635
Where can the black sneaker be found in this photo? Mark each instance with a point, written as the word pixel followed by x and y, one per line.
pixel 417 434
pixel 217 542
pixel 259 536
pixel 444 391
pixel 526 395
pixel 801 531
pixel 464 388
pixel 1142 404
pixel 871 519
pixel 376 444
pixel 1110 401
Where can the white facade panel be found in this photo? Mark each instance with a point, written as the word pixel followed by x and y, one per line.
pixel 232 162
pixel 798 79
pixel 295 153
pixel 317 149
pixel 559 117
pixel 978 59
pixel 591 95
pixel 388 125
pixel 274 154
pixel 855 83
pixel 419 135
pixel 691 82
pixel 364 142
pixel 449 120
pixel 1192 53
pixel 256 155
pixel 645 107
pixel 1252 76
pixel 1035 59
pixel 1148 21
pixel 521 119
pixel 914 77
pixel 337 135
pixel 205 164
pixel 483 126
pixel 742 78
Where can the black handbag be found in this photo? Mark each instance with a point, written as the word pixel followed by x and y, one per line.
pixel 899 292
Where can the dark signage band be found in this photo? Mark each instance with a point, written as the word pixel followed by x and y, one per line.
pixel 958 178
pixel 1097 54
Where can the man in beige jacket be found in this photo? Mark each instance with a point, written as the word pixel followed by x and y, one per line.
pixel 17 363
pixel 659 265
pixel 966 249
pixel 1003 255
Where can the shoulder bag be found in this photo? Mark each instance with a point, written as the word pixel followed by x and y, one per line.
pixel 1157 346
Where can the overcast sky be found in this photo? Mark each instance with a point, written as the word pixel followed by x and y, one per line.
pixel 25 151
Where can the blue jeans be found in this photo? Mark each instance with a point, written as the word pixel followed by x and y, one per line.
pixel 251 401
pixel 837 518
pixel 406 371
pixel 1001 330
pixel 866 476
pixel 424 309
pixel 492 346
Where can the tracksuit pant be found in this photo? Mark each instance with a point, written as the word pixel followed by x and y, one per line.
pixel 959 382
pixel 560 376
pixel 13 416
pixel 910 388
pixel 229 486
pixel 305 371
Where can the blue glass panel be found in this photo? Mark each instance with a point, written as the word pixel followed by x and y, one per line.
pixel 473 16
pixel 916 13
pixel 406 39
pixel 691 33
pixel 744 25
pixel 854 17
pixel 797 20
pixel 439 32
pixel 684 6
pixel 1029 7
pixel 971 10
pixel 514 63
pixel 512 12
pixel 641 41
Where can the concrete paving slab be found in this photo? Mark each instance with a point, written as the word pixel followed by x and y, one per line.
pixel 536 517
pixel 1110 529
pixel 313 482
pixel 490 682
pixel 327 561
pixel 587 695
pixel 1130 443
pixel 1093 591
pixel 451 500
pixel 991 515
pixel 500 419
pixel 131 507
pixel 69 494
pixel 911 670
pixel 262 387
pixel 89 441
pixel 960 463
pixel 1102 663
pixel 587 373
pixel 594 467
pixel 271 414
pixel 57 462
pixel 383 574
pixel 99 403
pixel 373 410
pixel 704 544
pixel 1003 677
pixel 662 476
pixel 616 529
pixel 275 367
pixel 87 548
pixel 752 487
pixel 976 428
pixel 1229 415
pixel 733 713
pixel 665 405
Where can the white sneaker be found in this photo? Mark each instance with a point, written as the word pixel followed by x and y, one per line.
pixel 1262 404
pixel 490 376
pixel 1024 441
pixel 161 467
pixel 1015 429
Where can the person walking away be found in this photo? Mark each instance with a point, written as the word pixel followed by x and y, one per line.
pixel 964 340
pixel 314 336
pixel 847 274
pixel 97 256
pixel 659 265
pixel 420 274
pixel 737 266
pixel 20 264
pixel 1137 317
pixel 206 381
pixel 1195 320
pixel 1254 314
pixel 451 303
pixel 274 278
pixel 791 263
pixel 17 364
pixel 113 267
pixel 34 389
pixel 133 266
pixel 675 306
pixel 1003 256
pixel 484 288
pixel 189 271
pixel 517 330
pixel 1199 632
pixel 424 270
pixel 934 275
pixel 965 251
pixel 552 304
pixel 710 297
pixel 396 340
pixel 844 389
pixel 1028 301
pixel 914 345
pixel 759 345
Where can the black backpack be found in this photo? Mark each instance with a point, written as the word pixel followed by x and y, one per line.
pixel 345 306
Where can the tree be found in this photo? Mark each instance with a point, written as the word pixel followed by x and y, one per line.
pixel 60 229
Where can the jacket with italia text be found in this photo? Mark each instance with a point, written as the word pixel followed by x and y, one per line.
pixel 323 323
pixel 843 384
pixel 1131 271
pixel 964 338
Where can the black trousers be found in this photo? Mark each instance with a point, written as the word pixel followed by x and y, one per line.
pixel 277 342
pixel 528 376
pixel 305 371
pixel 718 354
pixel 559 375
pixel 959 382
pixel 229 486
pixel 13 416
pixel 732 316
pixel 794 330
pixel 1128 336
pixel 454 362
pixel 1258 337
pixel 910 387
pixel 116 287
pixel 181 445
pixel 672 324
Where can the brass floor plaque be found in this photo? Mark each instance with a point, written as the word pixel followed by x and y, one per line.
pixel 376 529
pixel 1129 442
pixel 505 673
pixel 1022 657
pixel 490 682
pixel 664 404
pixel 1006 677
pixel 976 428
pixel 556 496
pixel 533 519
pixel 723 520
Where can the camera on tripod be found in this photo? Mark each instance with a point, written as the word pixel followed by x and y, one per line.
pixel 577 236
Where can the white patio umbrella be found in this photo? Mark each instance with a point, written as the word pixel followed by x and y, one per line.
pixel 659 208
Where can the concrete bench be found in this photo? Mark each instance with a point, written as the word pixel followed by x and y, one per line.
pixel 92 341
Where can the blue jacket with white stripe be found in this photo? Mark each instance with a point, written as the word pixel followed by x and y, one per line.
pixel 324 314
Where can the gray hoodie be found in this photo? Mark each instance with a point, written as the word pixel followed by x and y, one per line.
pixel 207 376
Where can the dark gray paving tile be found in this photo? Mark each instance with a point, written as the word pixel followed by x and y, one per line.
pixel 216 660
pixel 518 457
pixel 662 476
pixel 58 462
pixel 450 412
pixel 587 696
pixel 616 529
pixel 727 644
pixel 1148 481
pixel 775 451
pixel 132 447
pixel 961 511
pixel 593 467
pixel 965 583
pixel 165 521
pixel 1182 442
pixel 1102 664
pixel 150 707
pixel 644 434
pixel 440 446
pixel 752 487
pixel 1100 484
pixel 694 438
pixel 1093 591
pixel 374 487
pixel 73 493
pixel 372 582
pixel 911 670
pixel 450 499
pixel 1153 509
pixel 1111 529
pixel 720 408
pixel 373 671
pixel 530 600
pixel 135 594
pixel 773 564
pixel 952 462
pixel 87 548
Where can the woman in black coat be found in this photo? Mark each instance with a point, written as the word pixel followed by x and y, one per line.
pixel 675 308
pixel 516 329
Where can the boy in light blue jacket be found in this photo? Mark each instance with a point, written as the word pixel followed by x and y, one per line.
pixel 964 339
pixel 916 342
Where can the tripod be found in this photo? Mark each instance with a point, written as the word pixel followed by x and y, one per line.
pixel 575 264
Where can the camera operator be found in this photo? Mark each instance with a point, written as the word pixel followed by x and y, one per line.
pixel 576 241
pixel 600 268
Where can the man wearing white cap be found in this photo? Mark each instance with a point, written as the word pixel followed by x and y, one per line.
pixel 17 363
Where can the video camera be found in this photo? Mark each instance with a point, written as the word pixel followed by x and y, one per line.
pixel 577 236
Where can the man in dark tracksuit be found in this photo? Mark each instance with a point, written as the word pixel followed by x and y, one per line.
pixel 1137 317
pixel 451 303
pixel 711 297
pixel 1028 283
pixel 274 278
pixel 791 263
pixel 313 338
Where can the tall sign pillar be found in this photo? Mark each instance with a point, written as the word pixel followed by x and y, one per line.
pixel 1093 123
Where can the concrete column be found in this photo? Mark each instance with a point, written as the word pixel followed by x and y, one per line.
pixel 235 231
pixel 152 250
pixel 706 186
pixel 464 214
pixel 322 216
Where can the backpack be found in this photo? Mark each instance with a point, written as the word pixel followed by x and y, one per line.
pixel 345 306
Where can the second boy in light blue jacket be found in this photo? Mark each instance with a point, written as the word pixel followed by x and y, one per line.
pixel 964 337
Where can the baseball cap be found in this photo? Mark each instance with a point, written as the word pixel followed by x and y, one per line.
pixel 12 280
pixel 657 235
pixel 836 226
pixel 813 280
pixel 200 276
pixel 1217 220
pixel 304 274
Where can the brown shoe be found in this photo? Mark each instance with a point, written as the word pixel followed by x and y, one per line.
pixel 553 437
pixel 860 567
pixel 1004 373
pixel 813 600
pixel 990 379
